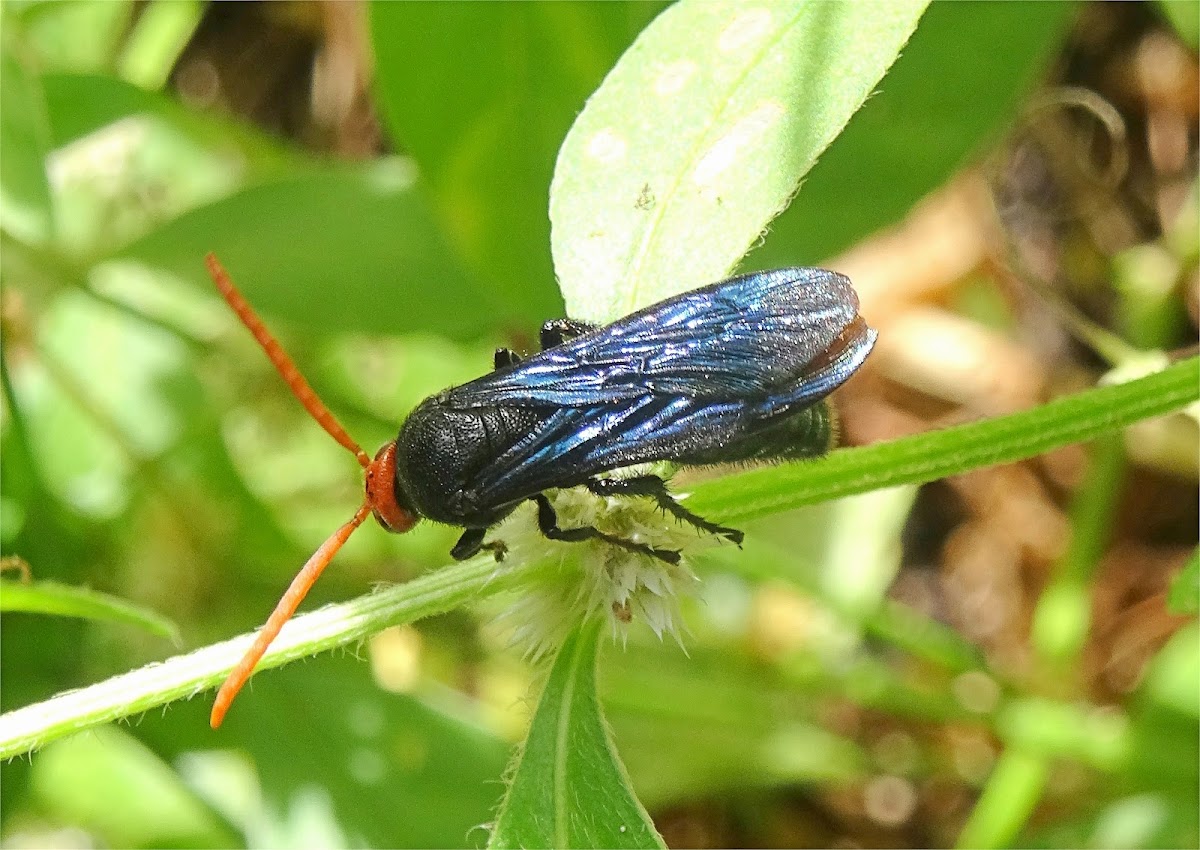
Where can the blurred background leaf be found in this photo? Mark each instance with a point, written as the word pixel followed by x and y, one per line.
pixel 25 210
pixel 332 274
pixel 1185 589
pixel 913 134
pixel 486 132
pixel 417 769
pixel 49 597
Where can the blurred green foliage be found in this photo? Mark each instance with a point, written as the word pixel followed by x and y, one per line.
pixel 148 452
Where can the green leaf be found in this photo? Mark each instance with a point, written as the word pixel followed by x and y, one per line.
pixel 75 36
pixel 111 785
pixel 485 122
pixel 569 789
pixel 122 363
pixel 351 249
pixel 1173 678
pixel 1185 17
pixel 79 104
pixel 700 136
pixel 25 210
pixel 696 725
pixel 51 597
pixel 920 128
pixel 181 161
pixel 950 451
pixel 1163 749
pixel 83 103
pixel 1184 596
pixel 397 770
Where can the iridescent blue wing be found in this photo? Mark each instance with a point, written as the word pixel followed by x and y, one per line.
pixel 585 440
pixel 742 338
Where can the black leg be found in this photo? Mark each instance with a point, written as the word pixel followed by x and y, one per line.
pixel 471 543
pixel 505 357
pixel 655 488
pixel 548 523
pixel 557 331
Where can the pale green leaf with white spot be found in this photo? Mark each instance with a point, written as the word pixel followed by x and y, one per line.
pixel 700 136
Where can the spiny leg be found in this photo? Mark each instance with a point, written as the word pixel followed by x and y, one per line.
pixel 557 331
pixel 655 488
pixel 471 543
pixel 548 524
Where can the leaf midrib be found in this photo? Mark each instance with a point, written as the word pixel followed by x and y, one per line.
pixel 561 747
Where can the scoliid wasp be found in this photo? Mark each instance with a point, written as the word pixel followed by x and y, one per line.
pixel 732 372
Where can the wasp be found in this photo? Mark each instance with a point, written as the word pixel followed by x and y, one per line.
pixel 734 372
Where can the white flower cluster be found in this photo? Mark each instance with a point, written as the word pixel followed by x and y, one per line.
pixel 597 579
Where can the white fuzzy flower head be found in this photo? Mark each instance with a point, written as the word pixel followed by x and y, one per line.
pixel 598 579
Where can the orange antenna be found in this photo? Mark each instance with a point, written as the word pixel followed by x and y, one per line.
pixel 283 612
pixel 280 360
pixel 320 559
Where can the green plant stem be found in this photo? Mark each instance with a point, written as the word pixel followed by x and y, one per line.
pixel 937 454
pixel 16 415
pixel 1012 791
pixel 184 676
pixel 1100 738
pixel 1063 615
pixel 749 495
pixel 922 636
